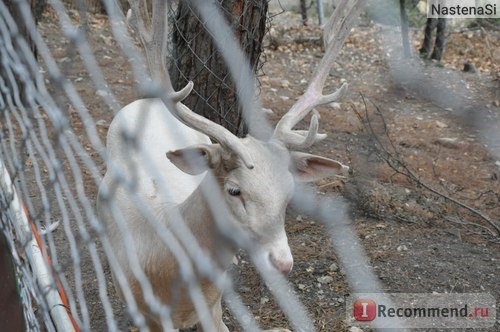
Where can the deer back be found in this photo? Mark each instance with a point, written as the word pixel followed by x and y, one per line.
pixel 138 138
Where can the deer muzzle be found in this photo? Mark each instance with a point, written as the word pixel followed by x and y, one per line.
pixel 284 265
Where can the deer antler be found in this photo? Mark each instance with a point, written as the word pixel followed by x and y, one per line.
pixel 334 34
pixel 153 34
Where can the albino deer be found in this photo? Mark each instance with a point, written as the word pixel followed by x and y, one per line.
pixel 256 179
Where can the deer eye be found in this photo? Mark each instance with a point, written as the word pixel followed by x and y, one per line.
pixel 234 191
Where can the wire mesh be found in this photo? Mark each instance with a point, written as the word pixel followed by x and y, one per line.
pixel 196 58
pixel 52 147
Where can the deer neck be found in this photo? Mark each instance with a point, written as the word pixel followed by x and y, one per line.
pixel 200 220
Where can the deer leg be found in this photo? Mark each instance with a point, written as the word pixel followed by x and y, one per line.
pixel 154 326
pixel 217 318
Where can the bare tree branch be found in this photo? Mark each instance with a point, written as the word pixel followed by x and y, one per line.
pixel 396 162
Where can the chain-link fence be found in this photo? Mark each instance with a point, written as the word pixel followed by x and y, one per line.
pixel 54 116
pixel 196 58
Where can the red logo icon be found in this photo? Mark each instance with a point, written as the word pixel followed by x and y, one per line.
pixel 365 310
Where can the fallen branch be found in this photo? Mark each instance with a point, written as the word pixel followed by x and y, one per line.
pixel 395 161
pixel 471 224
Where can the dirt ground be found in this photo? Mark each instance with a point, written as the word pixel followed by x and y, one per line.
pixel 430 126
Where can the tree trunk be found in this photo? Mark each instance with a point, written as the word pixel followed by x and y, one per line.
pixel 440 39
pixel 36 10
pixel 303 11
pixel 426 48
pixel 11 309
pixel 8 74
pixel 404 29
pixel 440 25
pixel 195 57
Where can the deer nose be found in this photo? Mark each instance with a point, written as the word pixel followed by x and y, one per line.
pixel 284 266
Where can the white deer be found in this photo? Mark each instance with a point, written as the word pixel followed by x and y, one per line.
pixel 256 180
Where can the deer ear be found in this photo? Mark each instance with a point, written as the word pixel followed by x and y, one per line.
pixel 196 159
pixel 307 167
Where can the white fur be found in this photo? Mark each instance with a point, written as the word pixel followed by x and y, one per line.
pixel 163 132
pixel 138 139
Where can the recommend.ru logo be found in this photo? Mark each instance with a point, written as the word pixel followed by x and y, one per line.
pixel 422 310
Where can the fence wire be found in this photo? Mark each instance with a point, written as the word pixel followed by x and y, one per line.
pixel 52 159
pixel 215 95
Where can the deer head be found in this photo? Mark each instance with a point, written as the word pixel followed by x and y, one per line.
pixel 256 177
